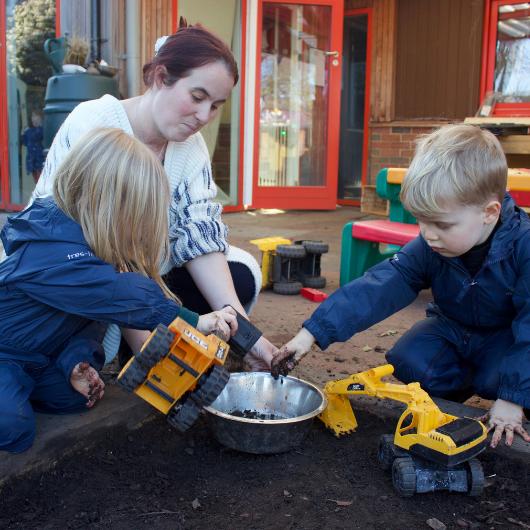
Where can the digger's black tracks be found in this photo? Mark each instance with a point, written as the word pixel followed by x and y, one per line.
pixel 182 417
pixel 157 348
pixel 210 386
pixel 133 377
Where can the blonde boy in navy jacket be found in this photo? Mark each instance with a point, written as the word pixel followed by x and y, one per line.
pixel 473 252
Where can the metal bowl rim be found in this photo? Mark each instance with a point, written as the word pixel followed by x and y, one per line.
pixel 296 419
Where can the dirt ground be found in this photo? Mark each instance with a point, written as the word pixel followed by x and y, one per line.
pixel 157 478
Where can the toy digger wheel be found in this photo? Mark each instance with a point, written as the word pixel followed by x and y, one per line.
pixel 133 377
pixel 290 251
pixel 475 478
pixel 156 347
pixel 386 453
pixel 315 282
pixel 404 476
pixel 315 247
pixel 210 386
pixel 182 417
pixel 287 287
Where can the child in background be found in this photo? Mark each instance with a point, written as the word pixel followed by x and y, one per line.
pixel 32 139
pixel 84 258
pixel 473 252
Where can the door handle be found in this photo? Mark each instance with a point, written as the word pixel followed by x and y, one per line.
pixel 333 53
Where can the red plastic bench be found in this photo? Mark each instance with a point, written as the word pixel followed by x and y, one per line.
pixel 384 231
pixel 361 244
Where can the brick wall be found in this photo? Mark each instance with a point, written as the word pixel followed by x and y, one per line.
pixel 392 145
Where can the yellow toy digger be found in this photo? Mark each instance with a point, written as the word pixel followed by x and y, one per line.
pixel 429 451
pixel 288 267
pixel 179 370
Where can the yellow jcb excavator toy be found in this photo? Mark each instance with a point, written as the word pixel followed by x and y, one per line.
pixel 429 451
pixel 179 370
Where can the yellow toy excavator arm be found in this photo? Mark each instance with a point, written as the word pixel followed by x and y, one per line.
pixel 339 415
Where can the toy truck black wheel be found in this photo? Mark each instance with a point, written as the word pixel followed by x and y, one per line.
pixel 210 386
pixel 475 478
pixel 315 282
pixel 157 347
pixel 386 453
pixel 404 476
pixel 183 416
pixel 315 247
pixel 287 287
pixel 290 251
pixel 133 377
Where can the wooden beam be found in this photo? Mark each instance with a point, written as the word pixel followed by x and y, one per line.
pixel 517 144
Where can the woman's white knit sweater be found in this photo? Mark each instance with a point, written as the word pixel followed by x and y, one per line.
pixel 195 225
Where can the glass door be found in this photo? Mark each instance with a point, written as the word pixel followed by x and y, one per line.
pixel 222 134
pixel 354 107
pixel 298 107
pixel 24 72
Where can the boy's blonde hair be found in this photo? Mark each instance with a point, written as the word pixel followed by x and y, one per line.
pixel 116 189
pixel 461 163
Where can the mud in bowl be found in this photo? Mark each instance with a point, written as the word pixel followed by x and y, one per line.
pixel 256 413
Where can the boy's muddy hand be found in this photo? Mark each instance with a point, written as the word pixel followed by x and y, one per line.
pixel 223 323
pixel 85 379
pixel 292 353
pixel 505 417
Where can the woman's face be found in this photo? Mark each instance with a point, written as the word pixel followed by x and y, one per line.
pixel 183 108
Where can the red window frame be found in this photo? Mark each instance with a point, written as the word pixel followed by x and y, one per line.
pixel 489 41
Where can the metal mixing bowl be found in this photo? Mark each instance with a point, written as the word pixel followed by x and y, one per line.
pixel 292 403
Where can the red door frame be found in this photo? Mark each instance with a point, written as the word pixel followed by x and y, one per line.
pixel 304 197
pixel 354 13
pixel 489 41
pixel 239 206
pixel 4 144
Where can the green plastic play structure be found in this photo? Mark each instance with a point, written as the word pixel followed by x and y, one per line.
pixel 358 255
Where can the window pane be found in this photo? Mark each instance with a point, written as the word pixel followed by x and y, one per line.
pixel 29 23
pixel 294 95
pixel 222 134
pixel 512 64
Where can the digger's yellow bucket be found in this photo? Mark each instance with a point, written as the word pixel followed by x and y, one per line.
pixel 338 415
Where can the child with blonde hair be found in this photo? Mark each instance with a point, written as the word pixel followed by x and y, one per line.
pixel 473 252
pixel 87 257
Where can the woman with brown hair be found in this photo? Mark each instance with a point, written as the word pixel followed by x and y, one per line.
pixel 188 80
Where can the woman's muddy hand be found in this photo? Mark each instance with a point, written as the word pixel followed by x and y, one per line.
pixel 260 356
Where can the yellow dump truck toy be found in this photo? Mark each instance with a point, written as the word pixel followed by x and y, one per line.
pixel 287 267
pixel 430 450
pixel 179 370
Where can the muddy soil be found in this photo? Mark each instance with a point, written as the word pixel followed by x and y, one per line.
pixel 158 478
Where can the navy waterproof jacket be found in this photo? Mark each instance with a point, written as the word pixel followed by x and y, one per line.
pixel 52 286
pixel 498 296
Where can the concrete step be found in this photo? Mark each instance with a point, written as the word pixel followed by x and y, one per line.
pixel 58 436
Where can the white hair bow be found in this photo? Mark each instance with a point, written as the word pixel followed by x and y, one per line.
pixel 159 43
